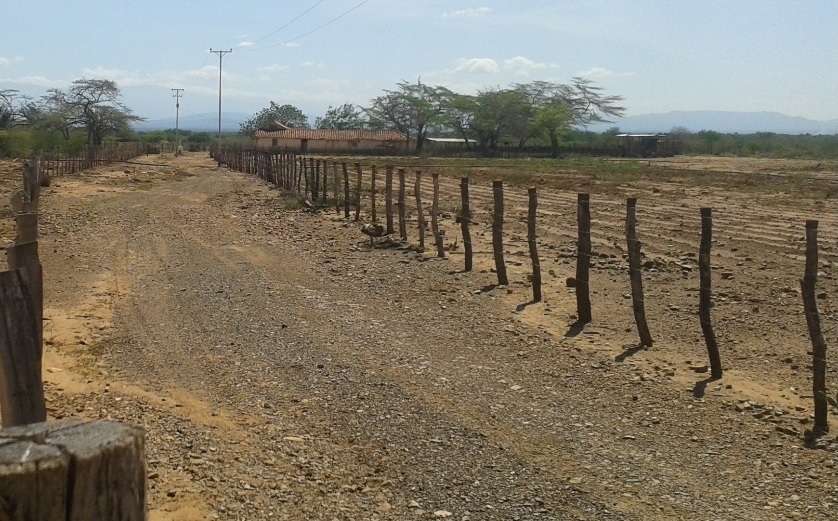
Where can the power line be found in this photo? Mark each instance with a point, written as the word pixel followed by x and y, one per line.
pixel 292 21
pixel 178 93
pixel 335 19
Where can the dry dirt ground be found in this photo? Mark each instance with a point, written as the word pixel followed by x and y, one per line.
pixel 282 370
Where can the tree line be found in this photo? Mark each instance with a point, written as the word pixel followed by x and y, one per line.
pixel 522 112
pixel 88 112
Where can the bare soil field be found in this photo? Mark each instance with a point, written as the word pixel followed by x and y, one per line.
pixel 283 370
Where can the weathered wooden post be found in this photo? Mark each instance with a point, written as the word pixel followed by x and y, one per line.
pixel 358 188
pixel 635 274
pixel 314 181
pixel 345 191
pixel 497 231
pixel 813 322
pixel 21 386
pixel 335 186
pixel 440 245
pixel 72 471
pixel 324 191
pixel 388 198
pixel 705 292
pixel 402 218
pixel 304 165
pixel 420 214
pixel 531 241
pixel 373 191
pixel 465 220
pixel 583 259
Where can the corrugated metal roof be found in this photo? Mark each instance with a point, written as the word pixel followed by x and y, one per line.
pixel 333 135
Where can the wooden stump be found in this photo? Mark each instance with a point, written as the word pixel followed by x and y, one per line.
pixel 497 232
pixel 73 471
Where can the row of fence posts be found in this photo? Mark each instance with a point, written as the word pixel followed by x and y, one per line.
pixel 59 470
pixel 307 170
pixel 60 162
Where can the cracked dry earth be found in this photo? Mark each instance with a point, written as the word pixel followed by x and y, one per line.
pixel 284 371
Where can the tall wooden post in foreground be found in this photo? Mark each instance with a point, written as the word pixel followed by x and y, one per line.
pixel 373 191
pixel 531 241
pixel 73 471
pixel 465 221
pixel 497 232
pixel 345 191
pixel 635 275
pixel 583 259
pixel 813 321
pixel 705 292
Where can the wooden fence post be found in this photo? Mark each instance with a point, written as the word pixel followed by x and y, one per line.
pixel 388 198
pixel 72 470
pixel 813 321
pixel 345 191
pixel 335 186
pixel 324 189
pixel 315 181
pixel 583 259
pixel 420 214
pixel 497 231
pixel 465 220
pixel 373 190
pixel 21 385
pixel 358 186
pixel 402 218
pixel 705 292
pixel 635 274
pixel 440 245
pixel 531 237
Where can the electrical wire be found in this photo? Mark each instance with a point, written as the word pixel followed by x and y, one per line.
pixel 289 23
pixel 335 19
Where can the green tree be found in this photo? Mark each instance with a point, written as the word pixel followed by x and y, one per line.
pixel 14 108
pixel 553 120
pixel 345 117
pixel 411 109
pixel 92 105
pixel 288 115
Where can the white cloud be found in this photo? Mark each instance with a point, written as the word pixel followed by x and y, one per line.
pixel 318 65
pixel 291 44
pixel 246 44
pixel 596 72
pixel 4 61
pixel 521 66
pixel 471 12
pixel 207 72
pixel 477 66
pixel 36 81
pixel 272 68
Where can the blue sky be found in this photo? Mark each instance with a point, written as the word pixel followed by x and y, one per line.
pixel 660 55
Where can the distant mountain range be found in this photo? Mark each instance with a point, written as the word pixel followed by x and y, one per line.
pixel 196 122
pixel 720 121
pixel 694 121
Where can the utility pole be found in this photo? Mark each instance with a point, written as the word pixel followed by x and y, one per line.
pixel 178 93
pixel 220 58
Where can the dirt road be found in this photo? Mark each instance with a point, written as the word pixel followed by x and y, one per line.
pixel 282 371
